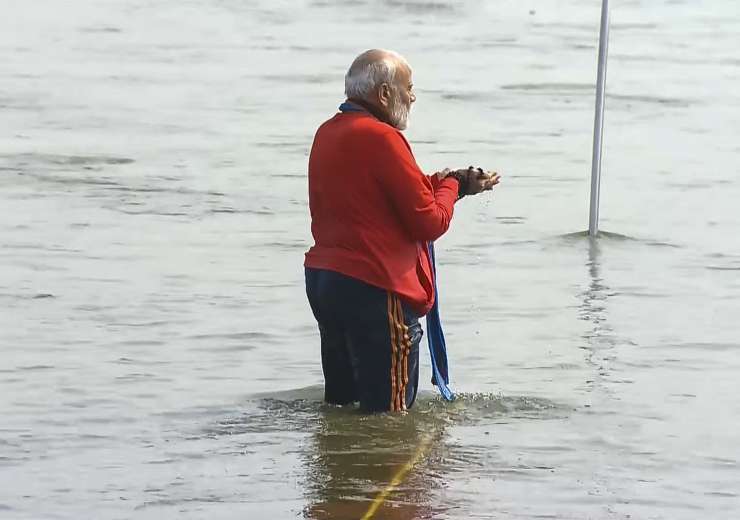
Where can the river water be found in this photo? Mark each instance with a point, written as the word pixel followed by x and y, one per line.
pixel 159 359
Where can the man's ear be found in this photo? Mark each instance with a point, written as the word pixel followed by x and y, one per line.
pixel 384 94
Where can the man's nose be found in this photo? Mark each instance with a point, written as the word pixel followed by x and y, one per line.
pixel 413 97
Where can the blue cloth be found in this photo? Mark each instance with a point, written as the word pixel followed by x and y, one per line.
pixel 350 107
pixel 436 340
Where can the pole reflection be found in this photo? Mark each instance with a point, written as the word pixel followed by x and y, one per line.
pixel 600 338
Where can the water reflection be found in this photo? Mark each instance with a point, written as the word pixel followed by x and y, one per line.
pixel 594 297
pixel 353 459
pixel 372 466
pixel 593 310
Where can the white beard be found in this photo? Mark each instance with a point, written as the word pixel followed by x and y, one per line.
pixel 399 113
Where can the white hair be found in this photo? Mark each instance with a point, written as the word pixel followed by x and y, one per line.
pixel 367 73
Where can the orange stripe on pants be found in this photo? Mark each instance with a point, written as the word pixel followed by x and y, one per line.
pixel 404 355
pixel 392 329
pixel 400 348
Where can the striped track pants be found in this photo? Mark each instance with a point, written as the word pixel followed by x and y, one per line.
pixel 369 342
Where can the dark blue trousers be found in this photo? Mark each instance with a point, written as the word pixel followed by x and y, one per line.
pixel 369 342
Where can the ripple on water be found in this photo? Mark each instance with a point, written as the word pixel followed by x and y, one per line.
pixel 705 346
pixel 25 159
pixel 548 88
pixel 610 237
pixel 300 410
pixel 29 368
pixel 423 7
pixel 467 96
pixel 243 341
pixel 650 100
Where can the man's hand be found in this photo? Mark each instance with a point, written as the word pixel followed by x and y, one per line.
pixel 475 180
pixel 444 173
pixel 479 181
pixel 472 180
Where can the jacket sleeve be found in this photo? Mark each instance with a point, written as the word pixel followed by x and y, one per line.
pixel 424 210
pixel 434 180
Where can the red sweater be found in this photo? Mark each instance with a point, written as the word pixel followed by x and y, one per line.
pixel 373 210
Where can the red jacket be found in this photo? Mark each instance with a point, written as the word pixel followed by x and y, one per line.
pixel 373 210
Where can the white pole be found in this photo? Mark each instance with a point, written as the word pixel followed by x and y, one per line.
pixel 593 218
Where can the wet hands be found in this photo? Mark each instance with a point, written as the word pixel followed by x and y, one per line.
pixel 479 181
pixel 472 180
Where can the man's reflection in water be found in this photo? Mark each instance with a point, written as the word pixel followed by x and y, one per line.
pixel 354 458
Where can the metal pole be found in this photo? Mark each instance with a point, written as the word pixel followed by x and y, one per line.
pixel 593 218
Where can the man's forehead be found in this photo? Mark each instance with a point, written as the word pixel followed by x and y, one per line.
pixel 404 72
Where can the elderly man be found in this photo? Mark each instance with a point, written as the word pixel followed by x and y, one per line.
pixel 369 276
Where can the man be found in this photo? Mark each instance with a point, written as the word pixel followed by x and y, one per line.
pixel 369 276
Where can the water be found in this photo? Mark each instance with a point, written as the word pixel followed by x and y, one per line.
pixel 159 357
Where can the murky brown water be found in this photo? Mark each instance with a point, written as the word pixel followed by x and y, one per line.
pixel 159 357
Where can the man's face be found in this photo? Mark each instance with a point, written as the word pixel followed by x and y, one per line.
pixel 401 99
